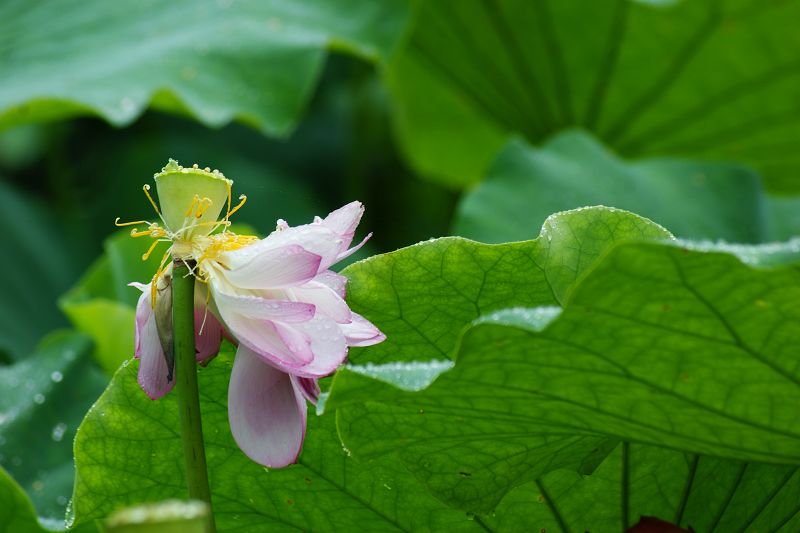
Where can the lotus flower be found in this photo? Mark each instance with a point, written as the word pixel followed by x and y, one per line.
pixel 278 299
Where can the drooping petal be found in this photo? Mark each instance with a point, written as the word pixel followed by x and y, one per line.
pixel 325 300
pixel 207 334
pixel 361 332
pixel 153 371
pixel 262 265
pixel 308 387
pixel 266 413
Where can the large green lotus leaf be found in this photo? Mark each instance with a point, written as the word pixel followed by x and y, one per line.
pixel 248 60
pixel 705 493
pixel 38 266
pixel 694 199
pixel 42 401
pixel 704 78
pixel 423 295
pixel 660 344
pixel 128 451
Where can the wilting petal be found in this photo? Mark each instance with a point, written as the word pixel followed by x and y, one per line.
pixel 361 332
pixel 308 387
pixel 263 265
pixel 267 414
pixel 153 371
pixel 207 334
pixel 344 222
pixel 324 299
pixel 263 308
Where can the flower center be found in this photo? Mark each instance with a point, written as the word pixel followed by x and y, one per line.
pixel 193 238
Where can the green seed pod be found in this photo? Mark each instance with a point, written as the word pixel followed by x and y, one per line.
pixel 191 199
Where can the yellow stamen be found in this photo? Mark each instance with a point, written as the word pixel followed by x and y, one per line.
pixel 154 281
pixel 146 189
pixel 149 251
pixel 119 224
pixel 204 204
pixel 243 199
pixel 195 201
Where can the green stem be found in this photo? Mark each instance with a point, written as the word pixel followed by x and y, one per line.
pixel 186 375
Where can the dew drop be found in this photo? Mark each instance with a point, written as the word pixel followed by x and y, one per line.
pixel 39 398
pixel 57 376
pixel 58 431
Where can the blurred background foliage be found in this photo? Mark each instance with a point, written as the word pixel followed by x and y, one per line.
pixel 478 118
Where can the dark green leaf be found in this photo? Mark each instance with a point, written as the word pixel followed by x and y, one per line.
pixel 38 266
pixel 42 402
pixel 218 61
pixel 694 199
pixel 423 295
pixel 657 344
pixel 704 78
pixel 704 493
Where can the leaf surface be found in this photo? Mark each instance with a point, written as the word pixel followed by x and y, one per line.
pixel 710 79
pixel 128 451
pixel 217 61
pixel 694 199
pixel 705 493
pixel 659 344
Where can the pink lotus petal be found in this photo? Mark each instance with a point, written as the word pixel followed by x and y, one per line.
pixel 314 238
pixel 153 371
pixel 347 253
pixel 261 337
pixel 328 345
pixel 308 387
pixel 207 336
pixel 260 266
pixel 344 221
pixel 296 341
pixel 335 281
pixel 325 300
pixel 266 413
pixel 143 312
pixel 361 332
pixel 263 308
